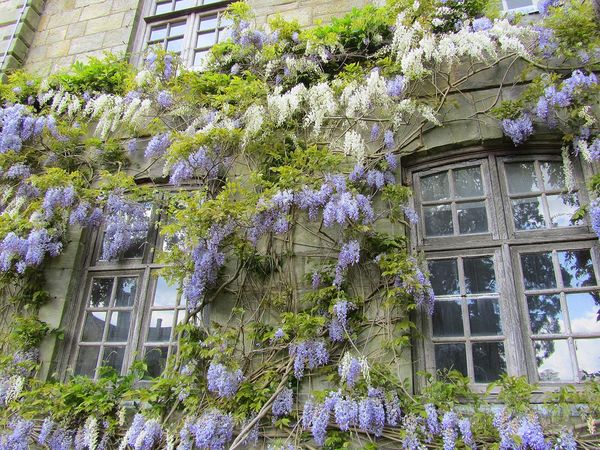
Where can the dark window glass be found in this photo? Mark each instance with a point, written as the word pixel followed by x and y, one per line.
pixel 468 182
pixel 86 361
pixel 447 318
pixel 451 357
pixel 444 276
pixel 113 357
pixel 126 289
pixel 553 175
pixel 93 328
pixel 576 268
pixel 538 270
pixel 479 275
pixel 438 220
pixel 118 328
pixel 484 317
pixel 545 314
pixel 161 323
pixel 527 214
pixel 489 361
pixel 101 291
pixel 156 360
pixel 472 217
pixel 521 177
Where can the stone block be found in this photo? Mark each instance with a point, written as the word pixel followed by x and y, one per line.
pixel 96 10
pixel 56 35
pixel 63 18
pixel 112 22
pixel 75 30
pixel 58 6
pixel 115 38
pixel 83 3
pixel 128 19
pixel 303 15
pixel 123 5
pixel 86 43
pixel 37 53
pixel 58 49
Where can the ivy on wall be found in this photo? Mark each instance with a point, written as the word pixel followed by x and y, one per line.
pixel 290 138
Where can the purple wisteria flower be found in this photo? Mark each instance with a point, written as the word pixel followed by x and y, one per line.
pixel 349 256
pixel 212 431
pixel 595 216
pixel 127 225
pixel 449 432
pixel 433 425
pixel 283 403
pixel 62 197
pixel 393 412
pixel 388 139
pixel 395 87
pixel 27 252
pixel 464 425
pixel 375 132
pixel 346 413
pixel 168 70
pixel 411 215
pixel 157 146
pixel 482 24
pixel 18 171
pixel 518 129
pixel 371 415
pixel 164 99
pixel 544 6
pixel 86 215
pixel 222 381
pixel 308 354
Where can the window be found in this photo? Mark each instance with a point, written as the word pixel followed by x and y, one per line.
pixel 522 6
pixel 186 27
pixel 127 310
pixel 515 281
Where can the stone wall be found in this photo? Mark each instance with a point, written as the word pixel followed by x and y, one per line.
pixel 18 22
pixel 72 29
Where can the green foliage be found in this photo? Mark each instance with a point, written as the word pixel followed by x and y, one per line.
pixel 28 332
pixel 515 393
pixel 447 389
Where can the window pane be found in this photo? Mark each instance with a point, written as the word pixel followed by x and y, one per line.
pixel 588 357
pixel 468 182
pixel 161 323
pixel 137 248
pixel 489 361
pixel 182 4
pixel 553 175
pixel 479 274
pixel 156 359
pixel 207 23
pixel 438 220
pixel 86 361
pixel 583 312
pixel 165 295
pixel 177 29
pixel 158 33
pixel 126 289
pixel 435 187
pixel 118 328
pixel 545 314
pixel 113 357
pixel 553 360
pixel 175 45
pixel 484 317
pixel 576 268
pixel 538 270
pixel 451 357
pixel 163 8
pixel 447 318
pixel 205 39
pixel 93 328
pixel 562 207
pixel 514 4
pixel 527 213
pixel 521 178
pixel 224 34
pixel 101 291
pixel 472 217
pixel 444 276
pixel 199 58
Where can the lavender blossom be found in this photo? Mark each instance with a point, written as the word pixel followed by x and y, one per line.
pixel 395 87
pixel 346 413
pixel 127 225
pixel 388 139
pixel 482 24
pixel 157 146
pixel 164 99
pixel 222 381
pixel 212 431
pixel 374 132
pixel 518 129
pixel 449 433
pixel 371 415
pixel 308 354
pixel 464 425
pixel 349 256
pixel 433 425
pixel 283 403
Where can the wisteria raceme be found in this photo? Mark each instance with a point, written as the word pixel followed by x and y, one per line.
pixel 308 354
pixel 30 251
pixel 393 412
pixel 544 5
pixel 518 129
pixel 388 139
pixel 17 435
pixel 86 215
pixel 464 425
pixel 395 86
pixel 222 381
pixel 164 99
pixel 157 146
pixel 62 197
pixel 336 330
pixel 316 280
pixel 411 425
pixel 411 215
pixel 532 435
pixel 212 431
pixel 433 425
pixel 349 255
pixel 279 334
pixel 449 432
pixel 45 431
pixel 346 413
pixel 371 415
pixel 482 24
pixel 127 225
pixel 18 171
pixel 283 403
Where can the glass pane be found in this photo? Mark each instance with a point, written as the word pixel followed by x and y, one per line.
pixel 553 175
pixel 444 276
pixel 182 4
pixel 489 361
pixel 451 357
pixel 156 359
pixel 588 357
pixel 435 187
pixel 177 29
pixel 163 8
pixel 438 220
pixel 224 34
pixel 205 39
pixel 576 268
pixel 165 295
pixel 175 45
pixel 199 58
pixel 468 182
pixel 521 178
pixel 553 359
pixel 583 312
pixel 514 4
pixel 479 274
pixel 447 318
pixel 207 23
pixel 562 207
pixel 527 213
pixel 113 357
pixel 472 217
pixel 93 327
pixel 538 270
pixel 86 361
pixel 126 288
pixel 161 323
pixel 136 250
pixel 484 317
pixel 101 291
pixel 118 328
pixel 158 33
pixel 545 314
